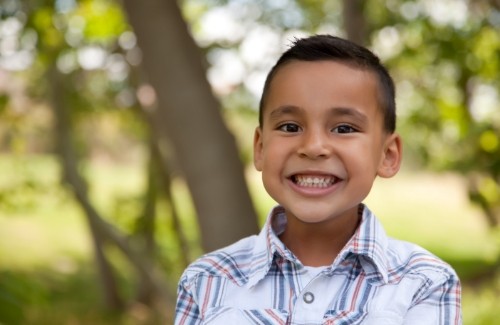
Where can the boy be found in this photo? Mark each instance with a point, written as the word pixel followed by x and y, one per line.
pixel 326 130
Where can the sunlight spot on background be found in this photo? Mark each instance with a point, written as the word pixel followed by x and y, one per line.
pixel 275 45
pixel 410 10
pixel 74 34
pixel 17 62
pixel 127 40
pixel 13 56
pixel 330 29
pixel 65 5
pixel 261 46
pixel 280 4
pixel 67 62
pixel 91 57
pixel 76 23
pixel 116 67
pixel 146 95
pixel 29 40
pixel 219 25
pixel 126 98
pixel 408 100
pixel 263 53
pixel 226 71
pixel 254 82
pixel 9 45
pixel 10 27
pixel 485 103
pixel 259 50
pixel 387 43
pixel 447 12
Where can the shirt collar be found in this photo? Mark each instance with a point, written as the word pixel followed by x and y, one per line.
pixel 369 242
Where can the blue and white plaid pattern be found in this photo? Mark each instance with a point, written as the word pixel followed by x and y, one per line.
pixel 374 280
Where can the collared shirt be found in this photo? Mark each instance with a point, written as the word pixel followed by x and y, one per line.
pixel 374 280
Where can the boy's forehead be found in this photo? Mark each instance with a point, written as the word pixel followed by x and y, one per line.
pixel 329 76
pixel 301 69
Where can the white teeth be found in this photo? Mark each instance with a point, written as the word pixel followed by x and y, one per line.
pixel 314 181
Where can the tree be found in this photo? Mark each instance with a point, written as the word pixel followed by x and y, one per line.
pixel 207 152
pixel 204 148
pixel 354 21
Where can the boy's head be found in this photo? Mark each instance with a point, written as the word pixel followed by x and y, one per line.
pixel 326 129
pixel 331 48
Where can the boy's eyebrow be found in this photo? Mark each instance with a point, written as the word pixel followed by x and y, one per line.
pixel 283 110
pixel 350 112
pixel 334 111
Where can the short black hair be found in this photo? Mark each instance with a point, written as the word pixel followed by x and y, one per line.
pixel 332 48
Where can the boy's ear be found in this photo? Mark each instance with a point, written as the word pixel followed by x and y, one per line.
pixel 391 157
pixel 257 149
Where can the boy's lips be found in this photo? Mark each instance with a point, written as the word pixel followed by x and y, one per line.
pixel 314 180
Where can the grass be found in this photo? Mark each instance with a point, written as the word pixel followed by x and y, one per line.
pixel 434 211
pixel 46 265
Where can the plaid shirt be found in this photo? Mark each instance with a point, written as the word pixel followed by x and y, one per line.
pixel 374 280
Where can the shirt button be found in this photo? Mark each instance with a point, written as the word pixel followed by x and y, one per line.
pixel 308 297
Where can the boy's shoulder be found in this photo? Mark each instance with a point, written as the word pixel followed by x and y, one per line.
pixel 233 262
pixel 407 259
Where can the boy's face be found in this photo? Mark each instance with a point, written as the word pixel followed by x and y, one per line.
pixel 322 141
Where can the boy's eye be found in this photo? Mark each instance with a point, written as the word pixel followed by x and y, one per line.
pixel 289 127
pixel 344 128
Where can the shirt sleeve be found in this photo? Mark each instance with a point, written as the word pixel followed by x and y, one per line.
pixel 186 310
pixel 439 304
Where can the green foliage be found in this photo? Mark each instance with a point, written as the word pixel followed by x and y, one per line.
pixel 450 127
pixel 50 39
pixel 103 20
pixel 11 299
pixel 22 189
pixel 81 40
pixel 480 302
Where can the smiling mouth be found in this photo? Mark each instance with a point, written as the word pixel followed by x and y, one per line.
pixel 322 181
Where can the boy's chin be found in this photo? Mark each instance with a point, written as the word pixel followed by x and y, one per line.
pixel 315 214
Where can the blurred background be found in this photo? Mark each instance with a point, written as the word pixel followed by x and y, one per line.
pixel 126 132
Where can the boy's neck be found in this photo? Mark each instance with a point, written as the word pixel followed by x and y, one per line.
pixel 318 244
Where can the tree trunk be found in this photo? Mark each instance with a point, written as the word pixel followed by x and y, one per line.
pixel 99 227
pixel 354 21
pixel 68 160
pixel 145 228
pixel 188 114
pixel 165 173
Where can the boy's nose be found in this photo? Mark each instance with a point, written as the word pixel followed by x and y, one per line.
pixel 315 145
